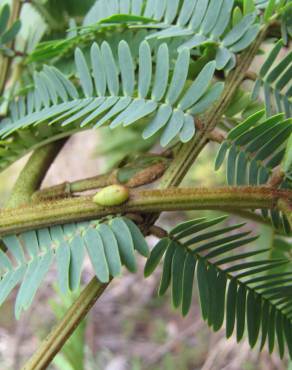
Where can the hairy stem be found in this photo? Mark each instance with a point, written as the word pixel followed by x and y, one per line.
pixel 33 174
pixel 141 176
pixel 141 201
pixel 64 329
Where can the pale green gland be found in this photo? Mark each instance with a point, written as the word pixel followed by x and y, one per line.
pixel 113 195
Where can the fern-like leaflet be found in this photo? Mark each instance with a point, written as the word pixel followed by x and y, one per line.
pixel 198 21
pixel 109 245
pixel 274 79
pixel 207 22
pixel 118 94
pixel 232 285
pixel 195 22
pixel 254 149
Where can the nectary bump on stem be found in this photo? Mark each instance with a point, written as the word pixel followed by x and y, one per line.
pixel 113 195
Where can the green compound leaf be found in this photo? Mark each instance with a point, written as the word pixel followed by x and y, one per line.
pixel 274 81
pixel 254 149
pixel 108 246
pixel 251 296
pixel 110 93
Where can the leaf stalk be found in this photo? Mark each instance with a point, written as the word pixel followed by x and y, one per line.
pixel 76 209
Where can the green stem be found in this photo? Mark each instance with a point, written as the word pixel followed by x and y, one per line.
pixel 68 189
pixel 33 174
pixel 64 329
pixel 141 201
pixel 141 176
